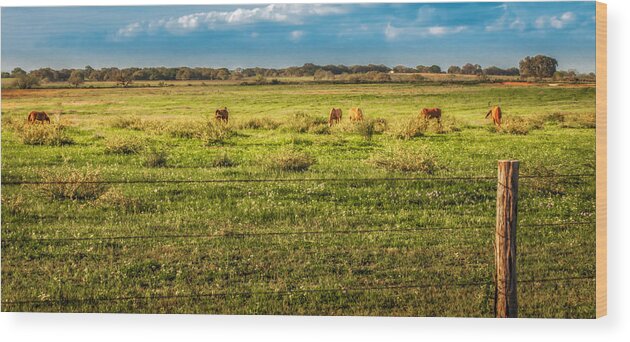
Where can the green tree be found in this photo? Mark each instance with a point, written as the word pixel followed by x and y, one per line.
pixel 18 72
pixel 435 69
pixel 260 79
pixel 223 74
pixel 77 77
pixel 123 77
pixel 322 74
pixel 472 69
pixel 24 81
pixel 454 69
pixel 538 66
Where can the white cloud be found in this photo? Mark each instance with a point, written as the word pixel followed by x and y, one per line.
pixel 497 25
pixel 561 22
pixel 425 14
pixel 393 33
pixel 254 34
pixel 437 30
pixel 539 22
pixel 279 13
pixel 557 22
pixel 296 35
pixel 517 24
pixel 130 30
pixel 507 20
pixel 442 30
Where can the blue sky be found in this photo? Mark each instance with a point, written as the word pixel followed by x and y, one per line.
pixel 282 35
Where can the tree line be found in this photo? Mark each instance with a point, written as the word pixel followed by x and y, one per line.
pixel 538 66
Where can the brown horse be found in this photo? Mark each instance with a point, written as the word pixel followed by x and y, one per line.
pixel 35 116
pixel 356 114
pixel 496 115
pixel 335 116
pixel 222 114
pixel 432 113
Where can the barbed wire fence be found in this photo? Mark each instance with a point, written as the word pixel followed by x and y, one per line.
pixel 63 300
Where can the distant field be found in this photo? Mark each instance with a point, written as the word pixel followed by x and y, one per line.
pixel 240 248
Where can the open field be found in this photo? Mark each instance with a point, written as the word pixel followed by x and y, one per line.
pixel 348 247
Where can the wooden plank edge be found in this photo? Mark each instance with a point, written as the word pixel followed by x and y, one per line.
pixel 601 298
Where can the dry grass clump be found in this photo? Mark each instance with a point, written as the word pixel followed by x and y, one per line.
pixel 258 123
pixel 571 120
pixel 410 129
pixel 115 198
pixel 128 122
pixel 53 134
pixel 9 122
pixel 177 129
pixel 518 125
pixel 380 125
pixel 71 184
pixel 366 128
pixel 184 129
pixel 301 122
pixel 223 160
pixel 155 158
pixel 320 129
pixel 344 126
pixel 290 160
pixel 124 145
pixel 14 204
pixel 216 132
pixel 447 125
pixel 547 183
pixel 405 160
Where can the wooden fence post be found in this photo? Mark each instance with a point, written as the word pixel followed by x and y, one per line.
pixel 505 304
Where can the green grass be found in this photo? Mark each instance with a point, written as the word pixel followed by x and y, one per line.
pixel 224 262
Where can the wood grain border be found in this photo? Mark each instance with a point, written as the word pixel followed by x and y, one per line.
pixel 600 150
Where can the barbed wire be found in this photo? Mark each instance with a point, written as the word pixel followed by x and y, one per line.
pixel 306 232
pixel 285 180
pixel 277 292
pixel 245 234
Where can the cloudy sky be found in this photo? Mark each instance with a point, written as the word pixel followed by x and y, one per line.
pixel 283 35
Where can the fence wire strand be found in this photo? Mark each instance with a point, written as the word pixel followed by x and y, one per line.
pixel 278 292
pixel 285 180
pixel 245 234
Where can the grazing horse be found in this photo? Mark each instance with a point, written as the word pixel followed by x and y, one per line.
pixel 335 116
pixel 432 113
pixel 222 114
pixel 35 116
pixel 356 114
pixel 496 115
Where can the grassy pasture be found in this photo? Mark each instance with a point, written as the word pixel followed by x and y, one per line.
pixel 245 256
